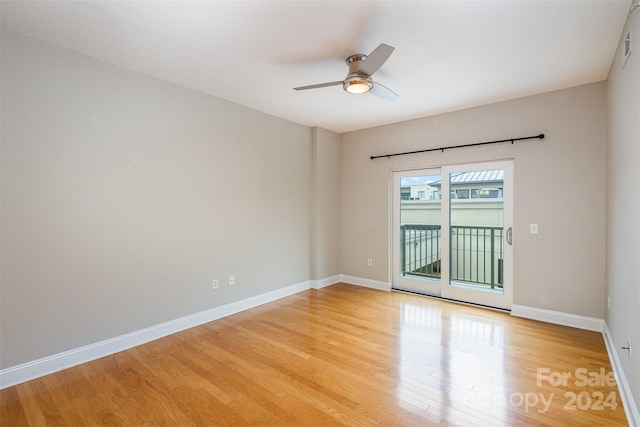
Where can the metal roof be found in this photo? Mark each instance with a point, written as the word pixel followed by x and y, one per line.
pixel 475 177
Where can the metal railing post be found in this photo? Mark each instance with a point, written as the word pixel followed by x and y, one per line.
pixel 403 248
pixel 492 258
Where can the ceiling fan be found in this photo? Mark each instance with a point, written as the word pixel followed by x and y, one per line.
pixel 361 68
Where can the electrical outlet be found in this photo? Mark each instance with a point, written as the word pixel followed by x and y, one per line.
pixel 369 262
pixel 215 284
pixel 232 280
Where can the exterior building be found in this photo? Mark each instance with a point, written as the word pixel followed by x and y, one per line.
pixel 475 185
pixel 418 192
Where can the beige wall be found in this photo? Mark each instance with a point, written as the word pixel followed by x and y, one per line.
pixel 123 197
pixel 325 225
pixel 623 205
pixel 559 184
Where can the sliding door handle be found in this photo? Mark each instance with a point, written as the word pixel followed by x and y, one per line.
pixel 510 235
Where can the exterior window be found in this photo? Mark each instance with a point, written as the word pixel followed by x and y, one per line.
pixel 421 195
pixel 405 193
pixel 462 193
pixel 490 193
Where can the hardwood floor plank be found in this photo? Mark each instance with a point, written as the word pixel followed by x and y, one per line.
pixel 50 410
pixel 11 410
pixel 344 356
pixel 33 413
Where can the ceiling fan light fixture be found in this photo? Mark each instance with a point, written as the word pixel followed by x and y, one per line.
pixel 358 85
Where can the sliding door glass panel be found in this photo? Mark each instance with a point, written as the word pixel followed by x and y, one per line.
pixel 477 239
pixel 417 231
pixel 476 251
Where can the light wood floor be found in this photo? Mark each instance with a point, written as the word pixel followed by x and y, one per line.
pixel 342 355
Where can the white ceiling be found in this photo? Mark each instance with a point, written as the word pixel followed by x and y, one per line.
pixel 449 54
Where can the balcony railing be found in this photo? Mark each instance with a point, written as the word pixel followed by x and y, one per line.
pixel 476 253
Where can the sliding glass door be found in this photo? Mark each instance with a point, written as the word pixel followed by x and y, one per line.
pixel 452 232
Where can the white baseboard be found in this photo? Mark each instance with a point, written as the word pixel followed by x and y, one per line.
pixel 323 283
pixel 558 317
pixel 58 362
pixel 367 283
pixel 633 415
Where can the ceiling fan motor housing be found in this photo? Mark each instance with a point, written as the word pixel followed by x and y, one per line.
pixel 357 81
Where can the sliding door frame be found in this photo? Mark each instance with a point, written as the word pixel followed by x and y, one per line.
pixel 444 287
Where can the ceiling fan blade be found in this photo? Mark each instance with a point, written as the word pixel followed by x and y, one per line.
pixel 376 58
pixel 383 92
pixel 318 85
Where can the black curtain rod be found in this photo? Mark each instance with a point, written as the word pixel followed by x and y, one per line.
pixel 512 140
